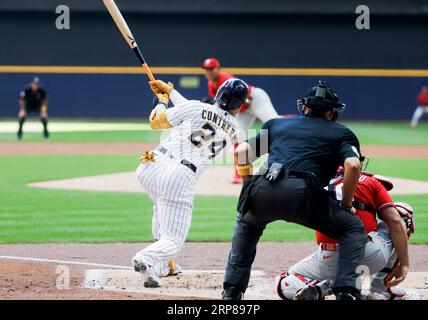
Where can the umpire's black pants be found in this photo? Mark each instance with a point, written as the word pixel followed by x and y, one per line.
pixel 295 200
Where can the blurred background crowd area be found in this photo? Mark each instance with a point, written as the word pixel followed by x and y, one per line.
pixel 283 47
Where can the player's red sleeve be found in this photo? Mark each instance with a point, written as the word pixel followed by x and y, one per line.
pixel 381 197
pixel 211 92
pixel 422 99
pixel 212 88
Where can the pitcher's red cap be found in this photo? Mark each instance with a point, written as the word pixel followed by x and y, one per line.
pixel 211 63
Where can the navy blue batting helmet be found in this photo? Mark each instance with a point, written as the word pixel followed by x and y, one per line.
pixel 232 94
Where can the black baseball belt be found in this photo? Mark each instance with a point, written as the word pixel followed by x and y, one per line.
pixel 184 162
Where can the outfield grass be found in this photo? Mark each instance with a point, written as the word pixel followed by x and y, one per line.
pixel 368 133
pixel 29 215
pixel 88 136
pixel 390 133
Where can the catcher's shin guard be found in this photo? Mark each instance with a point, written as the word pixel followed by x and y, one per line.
pixel 316 290
pixel 288 285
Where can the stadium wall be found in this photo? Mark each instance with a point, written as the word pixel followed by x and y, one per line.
pixel 128 96
pixel 380 70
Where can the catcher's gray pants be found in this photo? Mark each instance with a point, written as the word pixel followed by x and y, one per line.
pixel 322 264
pixel 291 200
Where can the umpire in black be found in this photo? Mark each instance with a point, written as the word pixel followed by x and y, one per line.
pixel 33 98
pixel 305 152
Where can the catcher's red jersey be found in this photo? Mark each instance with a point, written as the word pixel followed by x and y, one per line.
pixel 214 85
pixel 372 193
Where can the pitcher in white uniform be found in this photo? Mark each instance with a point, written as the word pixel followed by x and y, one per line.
pixel 199 133
pixel 257 106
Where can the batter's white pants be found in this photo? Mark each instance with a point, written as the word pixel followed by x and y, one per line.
pixel 260 108
pixel 322 264
pixel 170 186
pixel 419 112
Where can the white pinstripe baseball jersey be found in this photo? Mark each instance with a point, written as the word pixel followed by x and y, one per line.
pixel 200 132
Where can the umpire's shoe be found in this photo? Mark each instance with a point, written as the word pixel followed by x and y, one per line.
pixel 232 293
pixel 348 293
pixel 350 296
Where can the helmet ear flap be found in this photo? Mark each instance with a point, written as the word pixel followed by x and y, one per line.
pixel 334 115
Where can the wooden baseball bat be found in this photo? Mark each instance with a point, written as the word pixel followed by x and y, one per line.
pixel 127 34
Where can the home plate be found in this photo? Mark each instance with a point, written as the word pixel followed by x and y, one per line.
pixel 204 284
pixel 207 284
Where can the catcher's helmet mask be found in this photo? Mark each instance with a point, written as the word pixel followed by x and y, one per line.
pixel 407 214
pixel 231 94
pixel 321 97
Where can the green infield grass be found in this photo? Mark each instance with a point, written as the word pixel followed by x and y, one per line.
pixel 31 215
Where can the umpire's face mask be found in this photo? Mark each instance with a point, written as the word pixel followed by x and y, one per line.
pixel 334 115
pixel 337 113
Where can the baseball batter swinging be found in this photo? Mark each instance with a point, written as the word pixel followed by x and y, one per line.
pixel 199 132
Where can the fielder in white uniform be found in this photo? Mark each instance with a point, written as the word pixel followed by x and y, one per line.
pixel 199 132
pixel 257 106
pixel 310 278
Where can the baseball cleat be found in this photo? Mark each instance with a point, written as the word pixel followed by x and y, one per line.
pixel 174 269
pixel 348 296
pixel 311 292
pixel 393 293
pixel 148 275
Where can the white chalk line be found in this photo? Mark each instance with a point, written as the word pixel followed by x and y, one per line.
pixel 79 263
